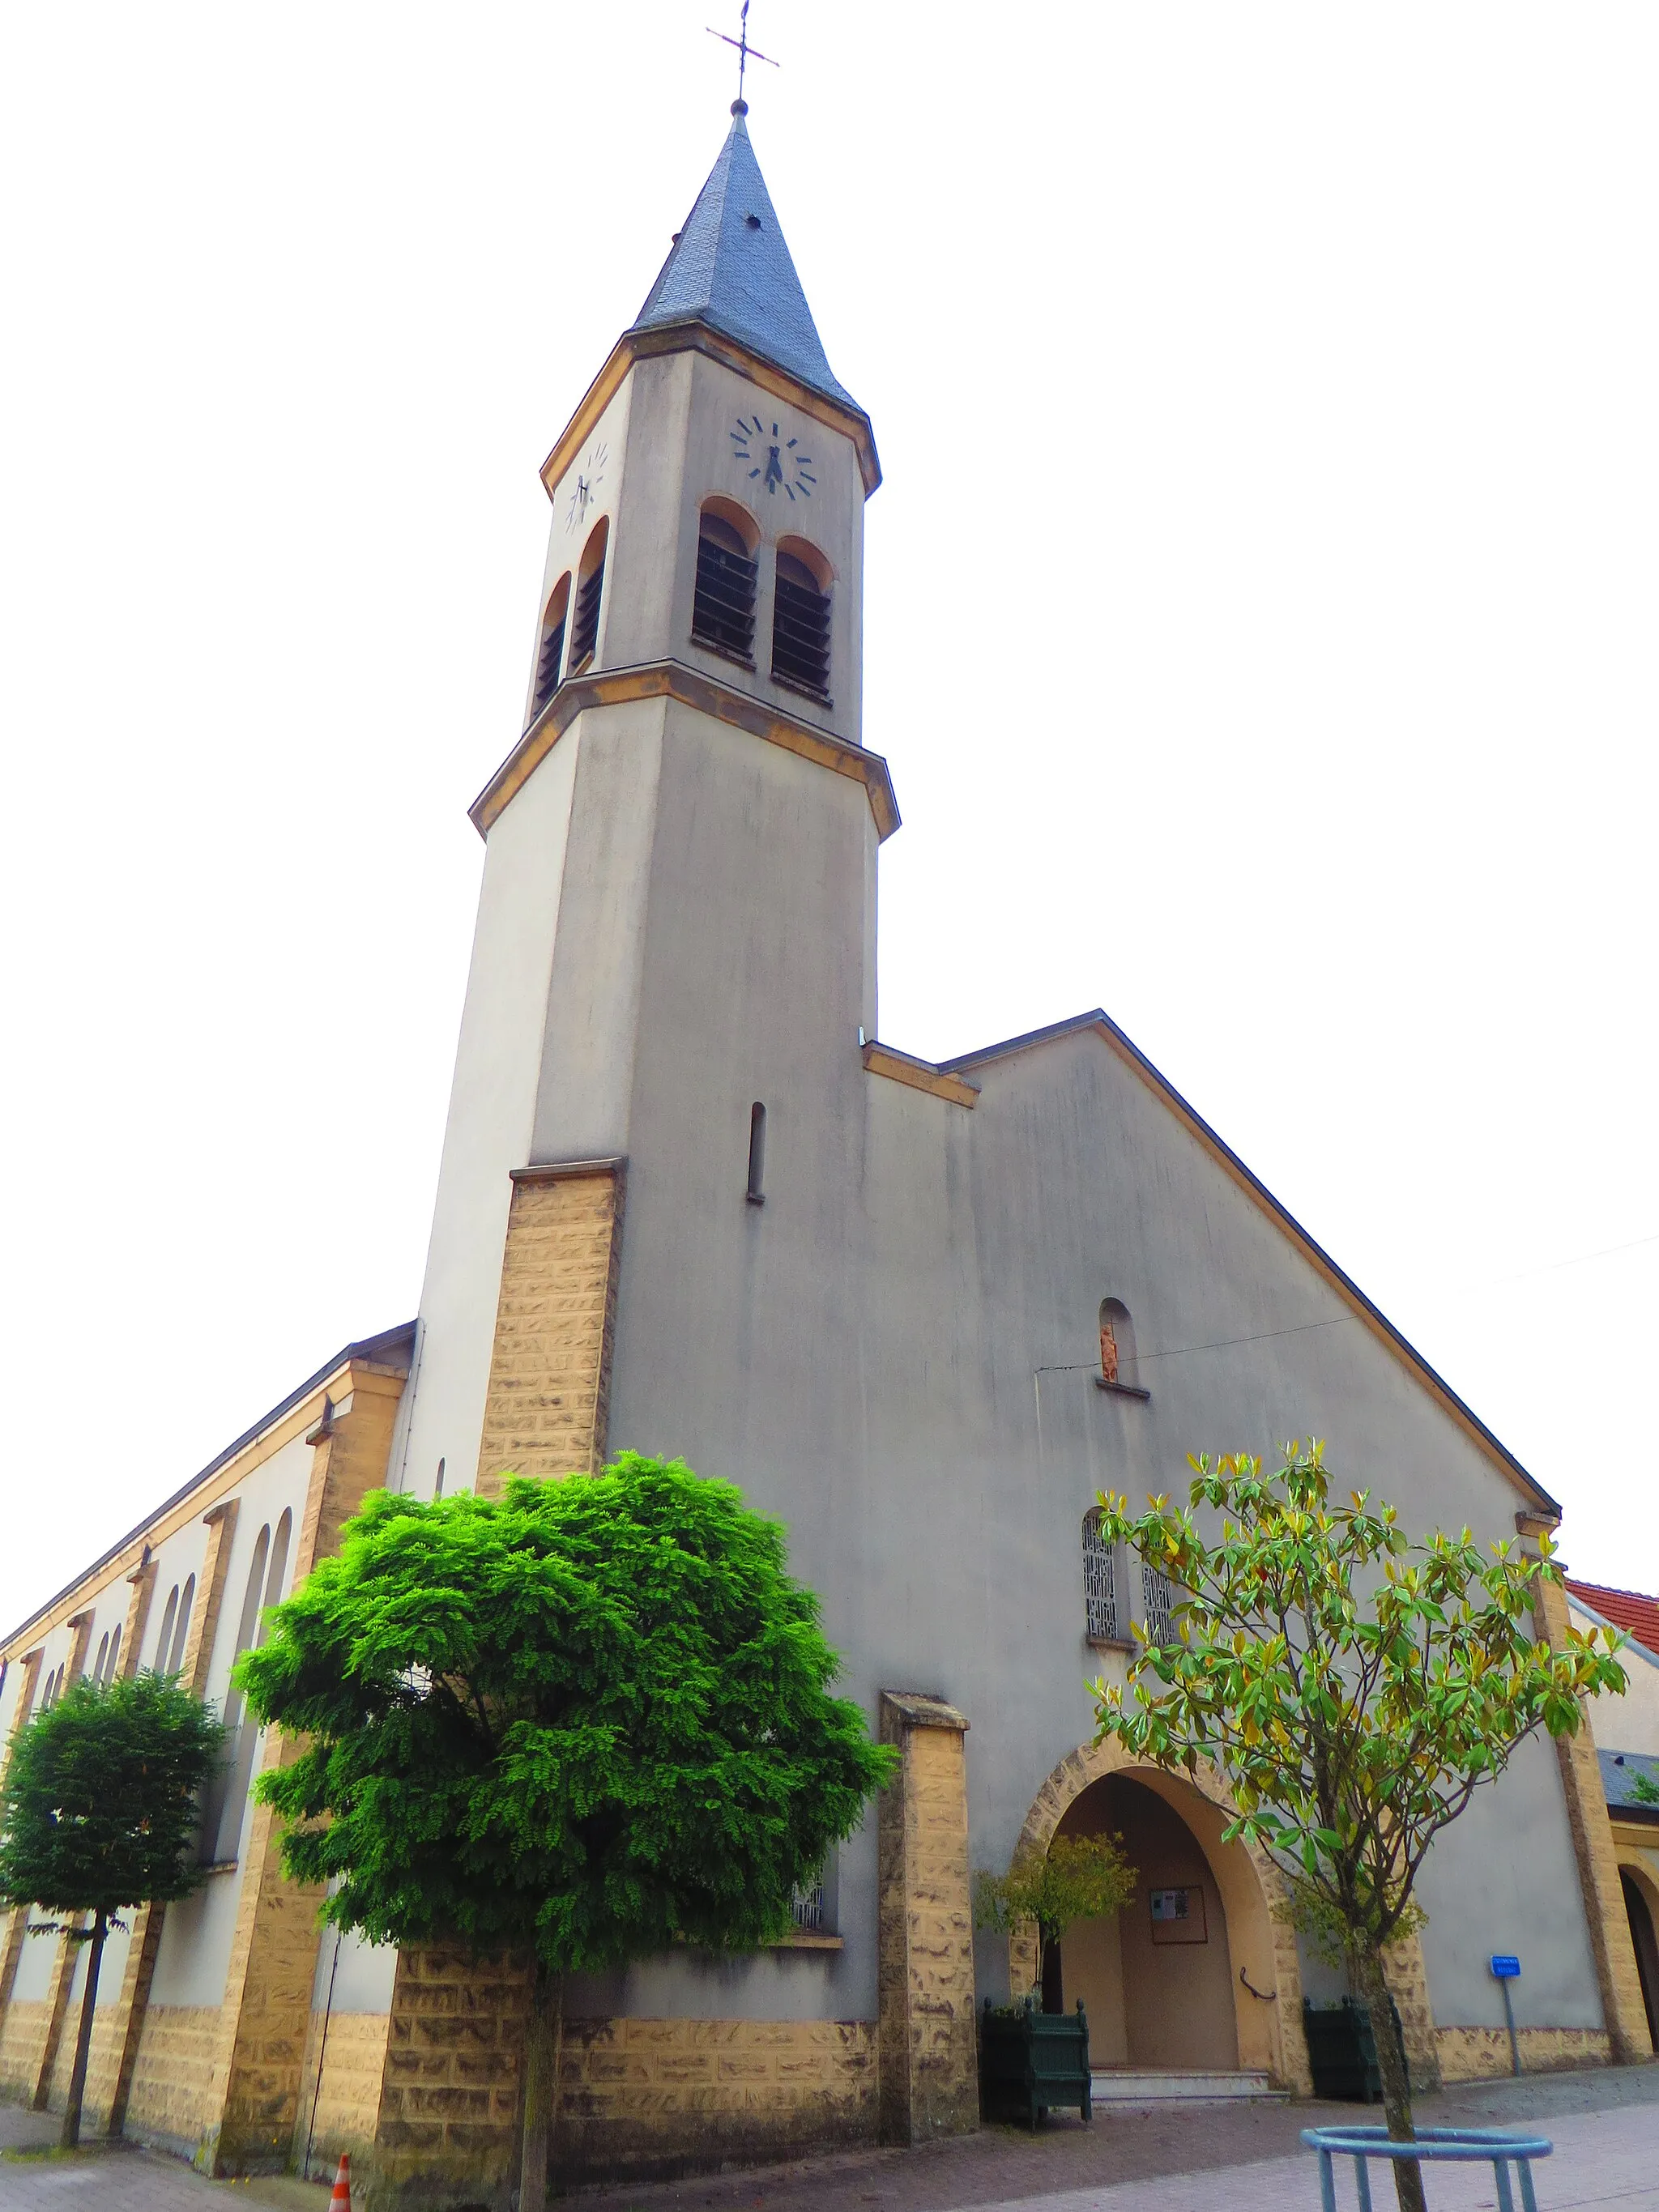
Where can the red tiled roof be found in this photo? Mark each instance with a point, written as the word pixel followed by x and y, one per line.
pixel 1628 1609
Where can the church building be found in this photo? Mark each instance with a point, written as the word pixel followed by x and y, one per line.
pixel 693 1202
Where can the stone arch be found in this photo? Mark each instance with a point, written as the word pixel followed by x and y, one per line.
pixel 1636 1869
pixel 1270 2037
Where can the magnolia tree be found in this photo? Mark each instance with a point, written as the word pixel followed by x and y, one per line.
pixel 1077 1878
pixel 100 1815
pixel 1354 1689
pixel 586 1720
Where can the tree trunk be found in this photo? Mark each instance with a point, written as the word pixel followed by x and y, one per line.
pixel 1396 2086
pixel 70 2135
pixel 544 2032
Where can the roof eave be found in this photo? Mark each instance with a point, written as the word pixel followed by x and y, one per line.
pixel 696 337
pixel 369 1351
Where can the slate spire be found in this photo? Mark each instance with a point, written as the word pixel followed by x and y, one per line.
pixel 729 269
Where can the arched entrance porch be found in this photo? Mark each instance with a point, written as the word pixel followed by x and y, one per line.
pixel 1158 1996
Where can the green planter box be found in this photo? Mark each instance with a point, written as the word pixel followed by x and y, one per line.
pixel 1342 2052
pixel 1032 2062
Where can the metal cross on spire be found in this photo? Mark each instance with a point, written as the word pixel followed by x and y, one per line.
pixel 745 53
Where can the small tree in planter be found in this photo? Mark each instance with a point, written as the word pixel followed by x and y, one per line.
pixel 99 1816
pixel 1079 1878
pixel 587 1720
pixel 1353 1689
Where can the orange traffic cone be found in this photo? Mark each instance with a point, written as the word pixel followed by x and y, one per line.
pixel 340 2201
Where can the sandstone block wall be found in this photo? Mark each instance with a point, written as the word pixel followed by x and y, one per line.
pixel 550 1371
pixel 22 2039
pixel 449 2100
pixel 170 2102
pixel 658 2097
pixel 929 2070
pixel 1481 2054
pixel 340 2088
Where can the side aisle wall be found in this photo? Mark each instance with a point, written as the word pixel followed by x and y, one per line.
pixel 214 2076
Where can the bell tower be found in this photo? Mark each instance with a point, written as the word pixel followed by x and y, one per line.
pixel 674 963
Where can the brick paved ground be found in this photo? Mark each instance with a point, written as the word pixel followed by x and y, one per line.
pixel 1217 2158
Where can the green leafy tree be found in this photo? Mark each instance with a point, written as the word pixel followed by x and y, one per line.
pixel 585 1721
pixel 1077 1878
pixel 1354 1689
pixel 99 1816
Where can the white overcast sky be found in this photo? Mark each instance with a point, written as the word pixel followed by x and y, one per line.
pixel 1260 618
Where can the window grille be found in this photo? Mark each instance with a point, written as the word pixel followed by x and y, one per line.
pixel 586 630
pixel 807 1908
pixel 800 629
pixel 723 604
pixel 1159 1593
pixel 547 665
pixel 1099 1583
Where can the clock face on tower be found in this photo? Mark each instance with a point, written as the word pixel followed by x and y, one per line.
pixel 773 462
pixel 585 492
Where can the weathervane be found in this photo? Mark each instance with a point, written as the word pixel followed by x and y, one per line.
pixel 745 52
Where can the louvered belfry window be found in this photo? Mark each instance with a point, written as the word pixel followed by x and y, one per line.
pixel 586 632
pixel 547 661
pixel 800 629
pixel 590 588
pixel 1099 1584
pixel 723 604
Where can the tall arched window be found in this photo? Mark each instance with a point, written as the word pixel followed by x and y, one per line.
pixel 590 590
pixel 1100 1615
pixel 800 619
pixel 98 1664
pixel 551 655
pixel 114 1653
pixel 264 1588
pixel 1158 1592
pixel 169 1613
pixel 220 1810
pixel 181 1631
pixel 723 603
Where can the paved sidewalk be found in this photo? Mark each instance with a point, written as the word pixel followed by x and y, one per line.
pixel 1215 2158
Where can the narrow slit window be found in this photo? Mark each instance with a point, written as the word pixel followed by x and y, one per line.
pixel 723 604
pixel 99 1663
pixel 114 1653
pixel 551 658
pixel 438 1486
pixel 757 1192
pixel 1099 1583
pixel 800 627
pixel 584 626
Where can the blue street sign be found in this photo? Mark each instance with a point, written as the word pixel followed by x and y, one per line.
pixel 1506 1969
